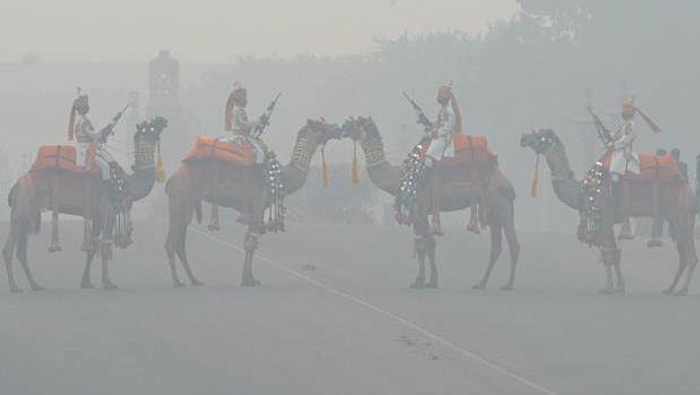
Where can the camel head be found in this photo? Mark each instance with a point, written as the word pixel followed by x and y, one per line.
pixel 149 131
pixel 320 131
pixel 357 128
pixel 540 140
pixel 147 139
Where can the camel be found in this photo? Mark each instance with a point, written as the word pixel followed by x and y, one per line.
pixel 82 194
pixel 670 198
pixel 456 194
pixel 226 184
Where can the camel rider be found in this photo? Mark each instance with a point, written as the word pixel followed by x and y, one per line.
pixel 442 131
pixel 441 134
pixel 237 121
pixel 85 135
pixel 623 158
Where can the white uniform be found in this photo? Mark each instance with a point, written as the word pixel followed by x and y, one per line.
pixel 85 135
pixel 442 145
pixel 623 157
pixel 243 126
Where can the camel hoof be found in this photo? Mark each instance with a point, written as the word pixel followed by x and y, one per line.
pixel 53 249
pixel 178 284
pixel 418 284
pixel 431 284
pixel 479 286
pixel 668 291
pixel 605 291
pixel 682 292
pixel 213 227
pixel 86 286
pixel 619 290
pixel 250 283
pixel 108 285
pixel 37 287
pixel 16 290
pixel 507 287
pixel 197 283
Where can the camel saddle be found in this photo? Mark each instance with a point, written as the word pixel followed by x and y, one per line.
pixel 651 168
pixel 63 157
pixel 236 150
pixel 469 149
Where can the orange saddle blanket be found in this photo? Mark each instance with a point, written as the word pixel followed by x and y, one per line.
pixel 660 168
pixel 468 149
pixel 63 157
pixel 236 150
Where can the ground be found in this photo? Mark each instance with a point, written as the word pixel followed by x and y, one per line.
pixel 335 315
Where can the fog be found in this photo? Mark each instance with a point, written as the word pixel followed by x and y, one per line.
pixel 335 313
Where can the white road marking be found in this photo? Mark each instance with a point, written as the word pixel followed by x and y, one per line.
pixel 351 298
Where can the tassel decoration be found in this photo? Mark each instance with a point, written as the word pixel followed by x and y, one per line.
pixel 355 175
pixel 160 167
pixel 324 168
pixel 535 178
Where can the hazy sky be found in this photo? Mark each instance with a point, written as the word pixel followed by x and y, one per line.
pixel 219 31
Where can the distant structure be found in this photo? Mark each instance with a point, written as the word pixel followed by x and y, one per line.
pixel 133 117
pixel 164 100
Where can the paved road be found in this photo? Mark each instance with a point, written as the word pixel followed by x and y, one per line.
pixel 335 315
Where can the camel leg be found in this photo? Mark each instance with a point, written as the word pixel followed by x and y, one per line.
pixel 514 250
pixel 617 258
pixel 431 247
pixel 91 233
pixel 473 225
pixel 175 229
pixel 106 255
pixel 85 282
pixel 87 222
pixel 687 260
pixel 173 269
pixel 7 252
pixel 611 259
pixel 181 251
pixel 496 249
pixel 106 251
pixel 182 254
pixel 420 247
pixel 55 238
pixel 23 240
pixel 691 263
pixel 691 259
pixel 214 223
pixel 250 245
pixel 55 245
pixel 608 276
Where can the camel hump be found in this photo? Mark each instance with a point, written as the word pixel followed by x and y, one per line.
pixel 236 150
pixel 663 168
pixel 652 168
pixel 63 157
